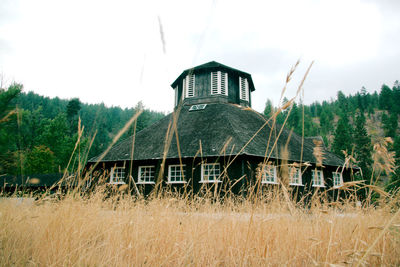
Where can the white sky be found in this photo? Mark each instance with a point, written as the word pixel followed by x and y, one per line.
pixel 111 51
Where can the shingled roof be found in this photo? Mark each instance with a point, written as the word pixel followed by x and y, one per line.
pixel 219 129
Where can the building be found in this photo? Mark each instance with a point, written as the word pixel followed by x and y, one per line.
pixel 214 138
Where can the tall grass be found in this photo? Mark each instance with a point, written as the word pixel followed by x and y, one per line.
pixel 173 231
pixel 108 227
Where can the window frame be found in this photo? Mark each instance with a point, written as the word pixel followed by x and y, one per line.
pixel 176 95
pixel 322 183
pixel 189 87
pixel 244 89
pixel 292 176
pixel 120 180
pixel 264 170
pixel 140 178
pixel 217 85
pixel 340 179
pixel 181 169
pixel 216 176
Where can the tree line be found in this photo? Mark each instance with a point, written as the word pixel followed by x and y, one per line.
pixel 351 125
pixel 38 134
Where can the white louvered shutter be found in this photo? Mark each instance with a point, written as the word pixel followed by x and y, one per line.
pixel 244 89
pixel 224 83
pixel 214 82
pixel 219 83
pixel 189 84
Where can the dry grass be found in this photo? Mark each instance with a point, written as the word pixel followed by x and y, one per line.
pixel 168 231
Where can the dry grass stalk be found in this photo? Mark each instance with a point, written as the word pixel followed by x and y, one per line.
pixel 175 231
pixel 318 152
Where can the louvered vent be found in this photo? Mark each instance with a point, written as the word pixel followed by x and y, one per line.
pixel 188 85
pixel 244 89
pixel 219 83
pixel 224 83
pixel 214 83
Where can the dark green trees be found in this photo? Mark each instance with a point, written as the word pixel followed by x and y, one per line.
pixel 343 140
pixel 362 146
pixel 40 135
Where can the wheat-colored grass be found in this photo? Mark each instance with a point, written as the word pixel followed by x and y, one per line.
pixel 264 229
pixel 171 231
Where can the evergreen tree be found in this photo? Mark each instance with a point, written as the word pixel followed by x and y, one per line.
pixel 342 102
pixel 294 119
pixel 394 183
pixel 362 146
pixel 396 97
pixel 326 121
pixel 269 108
pixel 343 136
pixel 73 107
pixel 390 124
pixel 385 98
pixel 6 99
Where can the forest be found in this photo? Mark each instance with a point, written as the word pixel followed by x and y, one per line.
pixel 38 134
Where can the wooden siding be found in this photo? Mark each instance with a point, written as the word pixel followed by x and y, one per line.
pixel 243 166
pixel 202 92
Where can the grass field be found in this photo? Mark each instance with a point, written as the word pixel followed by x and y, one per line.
pixel 168 231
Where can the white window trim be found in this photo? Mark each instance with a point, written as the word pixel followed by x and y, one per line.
pixel 341 180
pixel 140 181
pixel 314 172
pixel 245 88
pixel 182 168
pixel 176 96
pixel 112 175
pixel 300 177
pixel 220 77
pixel 264 181
pixel 202 181
pixel 186 83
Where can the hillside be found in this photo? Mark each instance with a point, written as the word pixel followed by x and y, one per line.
pixel 43 135
pixel 355 124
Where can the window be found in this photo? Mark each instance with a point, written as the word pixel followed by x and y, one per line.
pixel 188 85
pixel 219 83
pixel 337 179
pixel 295 176
pixel 198 107
pixel 244 89
pixel 318 178
pixel 146 175
pixel 176 174
pixel 269 175
pixel 117 175
pixel 210 172
pixel 176 96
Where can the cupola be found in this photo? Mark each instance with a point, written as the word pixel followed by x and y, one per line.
pixel 213 82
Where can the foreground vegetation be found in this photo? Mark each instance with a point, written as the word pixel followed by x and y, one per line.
pixel 173 231
pixel 107 227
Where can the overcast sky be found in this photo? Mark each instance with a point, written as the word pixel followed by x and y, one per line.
pixel 112 51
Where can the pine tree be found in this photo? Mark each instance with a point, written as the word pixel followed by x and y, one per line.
pixel 269 108
pixel 386 98
pixel 394 182
pixel 362 146
pixel 342 136
pixel 390 124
